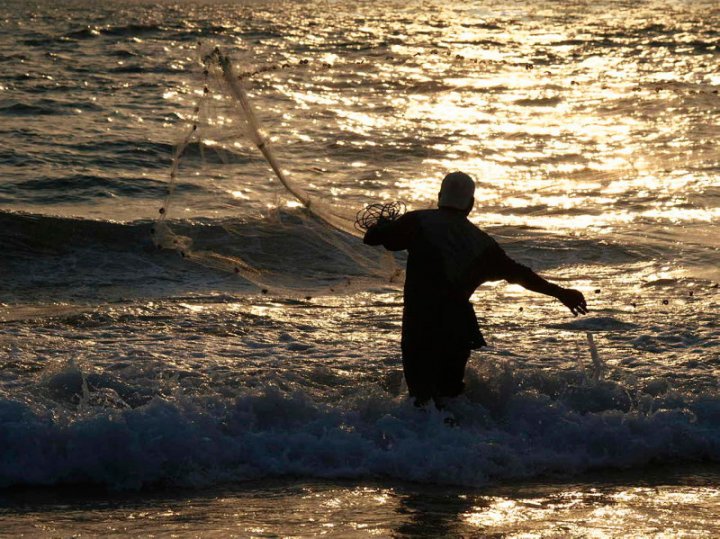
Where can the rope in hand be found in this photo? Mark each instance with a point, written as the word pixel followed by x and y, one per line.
pixel 376 213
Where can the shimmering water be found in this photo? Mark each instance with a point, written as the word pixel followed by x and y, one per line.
pixel 684 504
pixel 591 128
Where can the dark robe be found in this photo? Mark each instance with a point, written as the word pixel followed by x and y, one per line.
pixel 448 258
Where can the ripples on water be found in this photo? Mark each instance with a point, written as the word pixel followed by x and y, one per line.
pixel 591 128
pixel 608 115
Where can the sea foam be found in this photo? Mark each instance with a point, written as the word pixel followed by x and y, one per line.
pixel 508 428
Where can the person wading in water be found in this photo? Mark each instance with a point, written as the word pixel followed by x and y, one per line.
pixel 448 258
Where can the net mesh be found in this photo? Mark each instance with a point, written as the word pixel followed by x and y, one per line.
pixel 294 227
pixel 286 233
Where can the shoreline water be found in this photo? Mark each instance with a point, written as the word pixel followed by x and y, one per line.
pixel 676 500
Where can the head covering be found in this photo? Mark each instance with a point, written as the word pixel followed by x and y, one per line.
pixel 457 191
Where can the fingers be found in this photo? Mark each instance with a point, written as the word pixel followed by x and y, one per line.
pixel 580 305
pixel 575 301
pixel 579 308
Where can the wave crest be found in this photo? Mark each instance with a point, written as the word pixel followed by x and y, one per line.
pixel 266 432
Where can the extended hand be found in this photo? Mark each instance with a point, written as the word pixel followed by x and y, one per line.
pixel 573 300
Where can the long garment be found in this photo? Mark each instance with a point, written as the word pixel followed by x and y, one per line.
pixel 448 258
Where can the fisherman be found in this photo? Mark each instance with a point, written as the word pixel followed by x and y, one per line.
pixel 448 258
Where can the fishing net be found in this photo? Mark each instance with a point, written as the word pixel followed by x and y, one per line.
pixel 277 234
pixel 285 211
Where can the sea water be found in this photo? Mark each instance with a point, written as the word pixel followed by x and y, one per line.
pixel 140 393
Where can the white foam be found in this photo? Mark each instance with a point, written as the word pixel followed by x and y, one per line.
pixel 268 433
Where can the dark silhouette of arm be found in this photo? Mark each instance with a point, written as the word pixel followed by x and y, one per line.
pixel 393 235
pixel 504 267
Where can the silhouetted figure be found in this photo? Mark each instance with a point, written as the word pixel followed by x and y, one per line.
pixel 448 258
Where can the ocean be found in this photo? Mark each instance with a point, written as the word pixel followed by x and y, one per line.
pixel 144 392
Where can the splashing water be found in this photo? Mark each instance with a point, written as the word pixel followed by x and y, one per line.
pixel 591 135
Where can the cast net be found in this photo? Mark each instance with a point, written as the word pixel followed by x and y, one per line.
pixel 283 209
pixel 274 232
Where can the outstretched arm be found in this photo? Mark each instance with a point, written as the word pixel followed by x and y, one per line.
pixel 572 299
pixel 514 272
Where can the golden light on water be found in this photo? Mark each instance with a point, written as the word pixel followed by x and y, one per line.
pixel 505 513
pixel 597 144
pixel 616 165
pixel 592 134
pixel 326 509
pixel 636 511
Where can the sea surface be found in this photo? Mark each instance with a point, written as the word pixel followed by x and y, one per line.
pixel 146 392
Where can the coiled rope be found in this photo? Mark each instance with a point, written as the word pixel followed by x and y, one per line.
pixel 376 213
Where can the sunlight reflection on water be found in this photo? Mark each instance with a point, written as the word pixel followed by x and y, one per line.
pixel 314 509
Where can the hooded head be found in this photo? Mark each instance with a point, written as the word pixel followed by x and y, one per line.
pixel 457 192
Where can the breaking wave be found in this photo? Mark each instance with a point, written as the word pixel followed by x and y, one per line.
pixel 95 429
